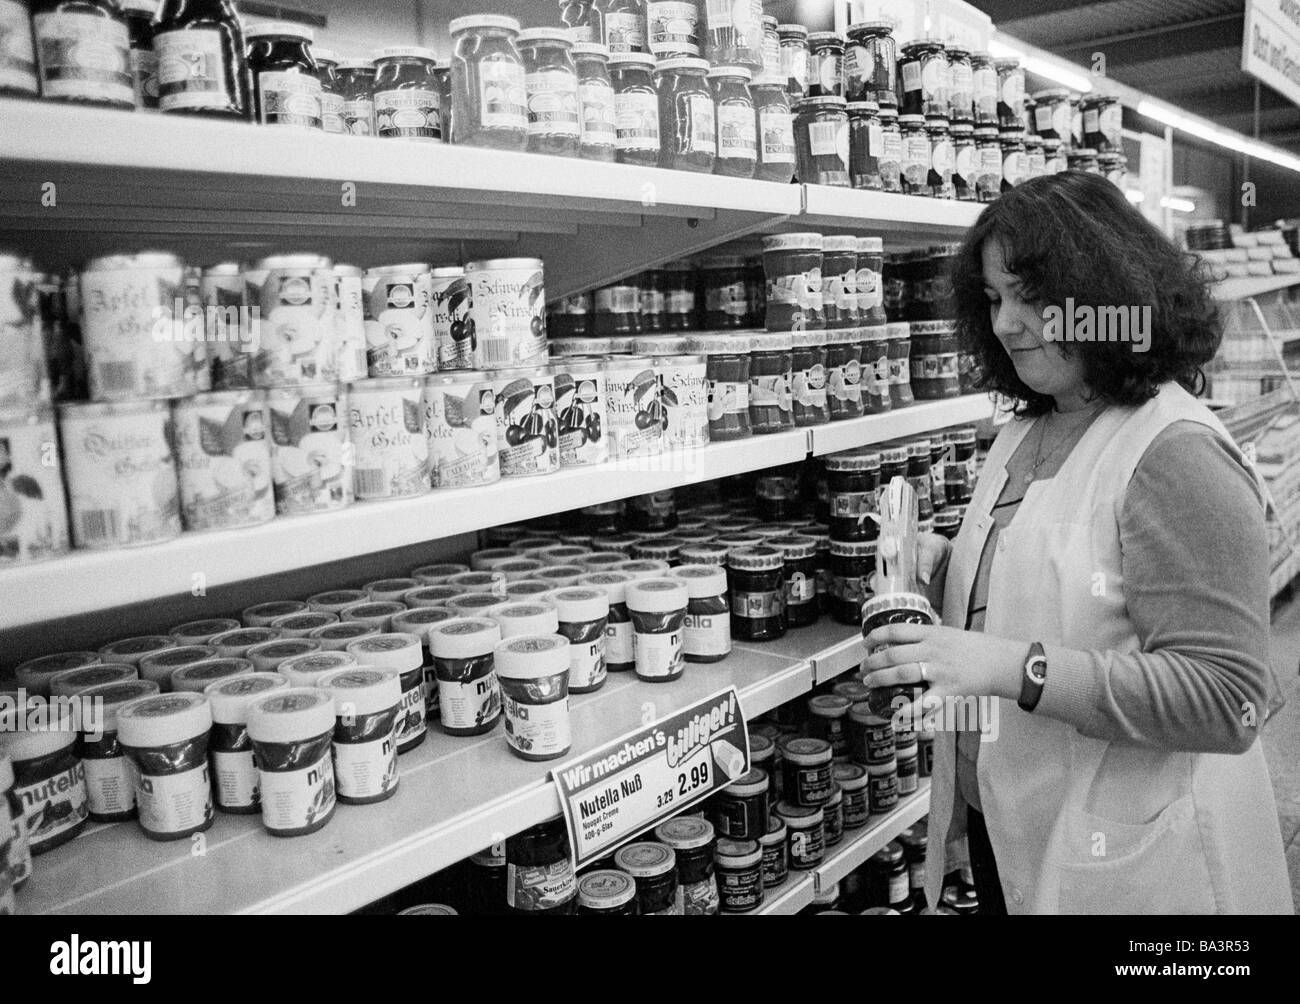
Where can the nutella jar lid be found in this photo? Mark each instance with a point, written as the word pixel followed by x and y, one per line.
pixel 136 649
pixel 336 599
pixel 734 542
pixel 853 548
pixel 644 568
pixel 383 588
pixel 614 584
pixel 261 614
pixel 396 651
pixel 304 622
pixel 579 604
pixel 855 460
pixel 794 548
pixel 110 696
pixel 419 621
pixel 646 859
pixel 481 582
pixel 305 670
pixel 469 604
pixel 436 575
pixel 829 706
pixel 794 242
pixel 70 682
pixel 754 782
pixel 658 596
pixel 361 690
pixel 702 581
pixel 526 617
pixel 372 611
pixel 659 550
pixel 284 648
pixel 738 854
pixel 464 638
pixel 339 636
pixel 35 674
pixel 230 698
pixel 198 676
pixel 601 560
pixel 159 667
pixel 807 752
pixel 292 715
pixel 163 720
pixel 198 632
pixel 755 559
pixel 686 833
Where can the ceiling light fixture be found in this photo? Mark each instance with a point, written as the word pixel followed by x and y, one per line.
pixel 1229 140
pixel 1178 205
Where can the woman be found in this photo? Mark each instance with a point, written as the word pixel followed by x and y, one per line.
pixel 1118 532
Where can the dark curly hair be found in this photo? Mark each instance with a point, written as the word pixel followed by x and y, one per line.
pixel 1076 235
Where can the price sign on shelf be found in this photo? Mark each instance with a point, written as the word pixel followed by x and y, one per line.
pixel 615 792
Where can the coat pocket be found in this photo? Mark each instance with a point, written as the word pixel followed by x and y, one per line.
pixel 1109 867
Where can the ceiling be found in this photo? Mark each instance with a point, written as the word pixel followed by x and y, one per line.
pixel 1187 52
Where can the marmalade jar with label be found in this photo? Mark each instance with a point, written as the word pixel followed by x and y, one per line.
pixel 357 86
pixel 822 141
pixel 736 122
pixel 83 50
pixel 18 55
pixel 331 99
pixel 596 103
pixel 687 117
pixel 199 51
pixel 407 100
pixel 489 84
pixel 286 84
pixel 636 108
pixel 775 126
pixel 551 79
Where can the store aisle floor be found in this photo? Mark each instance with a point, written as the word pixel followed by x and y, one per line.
pixel 1282 738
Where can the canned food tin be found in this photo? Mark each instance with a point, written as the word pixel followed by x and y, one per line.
pixel 223 459
pixel 460 414
pixel 24 378
pixel 399 320
pixel 133 328
pixel 580 401
pixel 227 326
pixel 451 331
pixel 311 463
pixel 507 315
pixel 296 340
pixel 390 449
pixel 636 415
pixel 350 322
pixel 528 437
pixel 121 477
pixel 33 511
pixel 684 396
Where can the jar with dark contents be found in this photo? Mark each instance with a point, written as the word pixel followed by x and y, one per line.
pixel 843 374
pixel 539 872
pixel 825 65
pixel 1052 114
pixel 852 565
pixel 199 52
pixel 900 370
pixel 740 875
pixel 917 156
pixel 692 840
pixel 651 283
pixel 922 72
pixel 870 735
pixel 286 87
pixel 653 512
pixel 653 866
pixel 110 776
pixel 674 29
pixel 866 145
pixel 771 406
pixel 618 309
pixel 799 573
pixel 875 370
pixel 1103 123
pixel 736 122
pixel 775 126
pixel 776 854
pixel 840 281
pixel 1084 160
pixel 942 158
pixel 740 810
pixel 961 85
pixel 679 296
pixel 622 25
pixel 794 59
pixel 636 109
pixel 166 736
pixel 726 298
pixel 327 63
pixel 809 379
pixel 706 632
pixel 1015 165
pixel 1011 93
pixel 891 155
pixel 853 480
pixel 357 86
pixel 1036 160
pixel 407 101
pixel 965 158
pixel 959 476
pixel 821 137
pixel 607 893
pixel 871 63
pixel 988 164
pixel 757 588
pixel 733 33
pixel 571 317
pixel 488 83
pixel 934 370
pixel 1055 160
pixel 755 293
pixel 551 79
pixel 793 267
pixel 596 105
pixel 805 838
pixel 883 610
pixel 984 89
pixel 687 121
pixel 82 50
pixel 918 476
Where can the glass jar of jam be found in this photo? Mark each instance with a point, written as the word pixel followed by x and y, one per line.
pixel 799 573
pixel 331 98
pixel 691 839
pixel 984 89
pixel 571 317
pixel 357 85
pixel 1103 123
pixel 1014 161
pixel 828 716
pixel 794 59
pixel 687 121
pixel 891 147
pixel 286 85
pixel 727 371
pixel 679 296
pixel 840 281
pixel 622 25
pixel 726 298
pixel 551 80
pixel 792 264
pixel 1035 158
pixel 539 871
pixel 407 102
pixel 870 284
pixel 875 370
pixel 917 156
pixel 1115 167
pixel 757 593
pixel 653 867
pixel 199 50
pixel 734 33
pixel 771 408
pixel 82 48
pixel 737 125
pixel 821 136
pixel 961 92
pixel 651 283
pixel 673 29
pixel 871 64
pixel 866 145
pixel 965 157
pixel 843 374
pixel 809 379
pixel 942 159
pixel 607 893
pixel 1052 114
pixel 825 65
pixel 852 565
pixel 853 480
pixel 1076 139
pixel 596 105
pixel 580 18
pixel 1011 93
pixel 893 462
pixel 636 108
pixel 488 84
pixel 988 164
pixel 18 75
pixel 775 127
pixel 922 71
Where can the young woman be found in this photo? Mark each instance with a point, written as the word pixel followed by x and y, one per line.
pixel 1109 586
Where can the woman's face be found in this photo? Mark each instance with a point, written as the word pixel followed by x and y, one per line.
pixel 1019 324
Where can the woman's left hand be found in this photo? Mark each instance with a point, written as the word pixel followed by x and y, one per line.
pixel 956 663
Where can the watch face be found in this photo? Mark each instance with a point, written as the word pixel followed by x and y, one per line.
pixel 1036 669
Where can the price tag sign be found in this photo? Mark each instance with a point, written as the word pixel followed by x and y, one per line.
pixel 619 790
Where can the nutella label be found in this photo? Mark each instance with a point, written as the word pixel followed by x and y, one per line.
pixel 411 724
pixel 472 697
pixel 658 654
pixel 553 103
pixel 637 121
pixel 235 777
pixel 84 57
pixel 175 803
pixel 110 785
pixel 366 770
pixel 707 634
pixel 619 646
pixel 538 729
pixel 778 136
pixel 289 99
pixel 54 805
pixel 408 114
pixel 296 799
pixel 191 70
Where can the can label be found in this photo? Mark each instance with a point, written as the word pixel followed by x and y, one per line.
pixel 224 459
pixel 684 397
pixel 234 776
pixel 289 99
pixel 507 316
pixel 350 324
pixel 297 799
pixel 503 95
pixel 17 57
pixel 538 729
pixel 400 338
pixel 636 117
pixel 543 887
pixel 553 103
pixel 296 336
pixel 84 57
pixel 462 430
pixel 229 355
pixel 580 411
pixel 54 805
pixel 528 437
pixel 599 120
pixel 110 785
pixel 636 414
pixel 33 511
pixel 121 480
pixel 453 344
pixel 175 803
pixel 389 443
pixel 365 770
pixel 413 114
pixel 311 469
pixel 191 70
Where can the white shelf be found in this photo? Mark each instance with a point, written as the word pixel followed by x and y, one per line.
pixel 921 417
pixel 1241 289
pixel 901 218
pixel 846 657
pixel 87 581
pixel 787 899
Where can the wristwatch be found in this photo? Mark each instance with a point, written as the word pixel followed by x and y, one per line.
pixel 1035 675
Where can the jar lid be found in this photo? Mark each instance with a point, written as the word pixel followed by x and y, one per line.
pixel 890 854
pixel 525 617
pixel 887 26
pixel 305 670
pixel 383 589
pixel 335 600
pixel 396 651
pixel 645 568
pixel 617 59
pixel 606 889
pixel 737 853
pixel 108 697
pixel 361 690
pixel 404 52
pixel 563 554
pixel 770 341
pixel 897 601
pixel 590 49
pixel 532 656
pixel 840 242
pixel 378 613
pixel 269 654
pixel 292 715
pixel 988 132
pixel 436 575
pixel 799 817
pixel 646 859
pixel 753 782
pixel 936 122
pixel 807 752
pixel 853 460
pixel 707 553
pixel 915 121
pixel 657 596
pixel 793 242
pixel 889 114
pixel 490 581
pixel 464 638
pixel 579 604
pixel 844 336
pixel 279 29
pixel 718 343
pixel 853 549
pixel 718 72
pixel 829 706
pixel 555 575
pixel 419 620
pixel 200 632
pixel 163 720
pixel 824 36
pixel 685 833
pixel 1007 63
pixel 71 682
pixel 602 559
pixel 135 649
pixel 197 677
pixel 681 63
pixel 300 625
pixel 262 614
pixel 934 327
pixel 963 128
pixel 231 697
pixel 489 558
pixel 893 454
pixel 160 667
pixel 792 29
pixel 34 675
pixel 517 568
pixel 794 548
pixel 918 449
pixel 459 24
pixel 755 559
pixel 529 589
pixel 337 637
pixel 558 35
pixel 429 910
pixel 855 690
pixel 760 747
pixel 614 584
pixel 850 776
pixel 775 835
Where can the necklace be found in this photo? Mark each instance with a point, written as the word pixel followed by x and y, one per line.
pixel 1039 459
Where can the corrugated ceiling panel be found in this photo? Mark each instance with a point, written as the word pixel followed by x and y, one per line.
pixel 1100 20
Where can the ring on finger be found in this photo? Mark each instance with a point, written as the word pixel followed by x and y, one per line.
pixel 925 678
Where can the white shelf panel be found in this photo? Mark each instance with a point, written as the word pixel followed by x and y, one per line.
pixel 84 582
pixel 787 899
pixel 910 219
pixel 846 657
pixel 456 796
pixel 859 845
pixel 1240 289
pixel 921 417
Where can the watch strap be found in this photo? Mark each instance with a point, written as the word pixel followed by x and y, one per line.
pixel 1033 677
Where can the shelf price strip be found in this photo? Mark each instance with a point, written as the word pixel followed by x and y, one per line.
pixel 612 794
